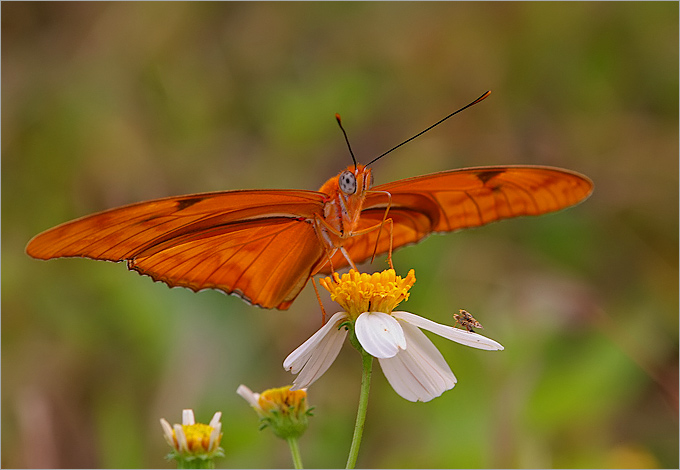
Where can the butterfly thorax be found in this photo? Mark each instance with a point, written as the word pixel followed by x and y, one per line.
pixel 346 193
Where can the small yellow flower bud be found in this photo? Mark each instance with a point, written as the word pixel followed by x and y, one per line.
pixel 285 411
pixel 194 445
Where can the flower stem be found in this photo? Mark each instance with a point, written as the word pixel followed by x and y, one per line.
pixel 367 361
pixel 195 463
pixel 295 451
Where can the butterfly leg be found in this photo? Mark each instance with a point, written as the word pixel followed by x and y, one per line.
pixel 330 261
pixel 347 257
pixel 330 248
pixel 382 223
pixel 318 298
pixel 389 253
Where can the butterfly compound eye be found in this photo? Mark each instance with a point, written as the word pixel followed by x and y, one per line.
pixel 347 182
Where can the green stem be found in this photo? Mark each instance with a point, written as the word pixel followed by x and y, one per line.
pixel 367 361
pixel 295 451
pixel 195 463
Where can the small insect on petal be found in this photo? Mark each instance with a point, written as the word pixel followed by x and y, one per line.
pixel 466 320
pixel 458 335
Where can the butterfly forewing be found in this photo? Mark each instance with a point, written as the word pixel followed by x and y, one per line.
pixel 476 196
pixel 121 233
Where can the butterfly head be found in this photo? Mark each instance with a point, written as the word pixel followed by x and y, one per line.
pixel 355 180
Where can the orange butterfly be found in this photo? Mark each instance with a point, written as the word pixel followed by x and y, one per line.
pixel 264 245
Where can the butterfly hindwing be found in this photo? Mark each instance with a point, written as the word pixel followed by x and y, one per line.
pixel 266 264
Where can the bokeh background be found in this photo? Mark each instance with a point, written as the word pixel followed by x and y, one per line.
pixel 113 103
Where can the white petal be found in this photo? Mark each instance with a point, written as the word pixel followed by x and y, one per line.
pixel 167 432
pixel 418 373
pixel 182 445
pixel 215 421
pixel 298 358
pixel 465 337
pixel 188 417
pixel 249 396
pixel 317 354
pixel 319 363
pixel 398 377
pixel 379 334
pixel 214 435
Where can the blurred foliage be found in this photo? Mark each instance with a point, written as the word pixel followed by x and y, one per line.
pixel 110 103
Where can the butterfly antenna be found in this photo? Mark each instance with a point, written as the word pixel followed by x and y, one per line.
pixel 433 125
pixel 337 118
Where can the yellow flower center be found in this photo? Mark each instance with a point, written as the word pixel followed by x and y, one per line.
pixel 283 400
pixel 361 292
pixel 198 437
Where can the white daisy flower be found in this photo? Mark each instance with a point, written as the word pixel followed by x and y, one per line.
pixel 411 363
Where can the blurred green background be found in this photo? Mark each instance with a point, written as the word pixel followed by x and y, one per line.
pixel 113 103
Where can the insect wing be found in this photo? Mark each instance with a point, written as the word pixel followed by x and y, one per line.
pixel 457 199
pixel 476 196
pixel 466 320
pixel 260 245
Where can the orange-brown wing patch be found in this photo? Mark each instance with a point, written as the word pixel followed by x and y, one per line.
pixel 121 233
pixel 211 240
pixel 267 263
pixel 471 197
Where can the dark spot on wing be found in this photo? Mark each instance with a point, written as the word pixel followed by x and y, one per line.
pixel 485 176
pixel 184 203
